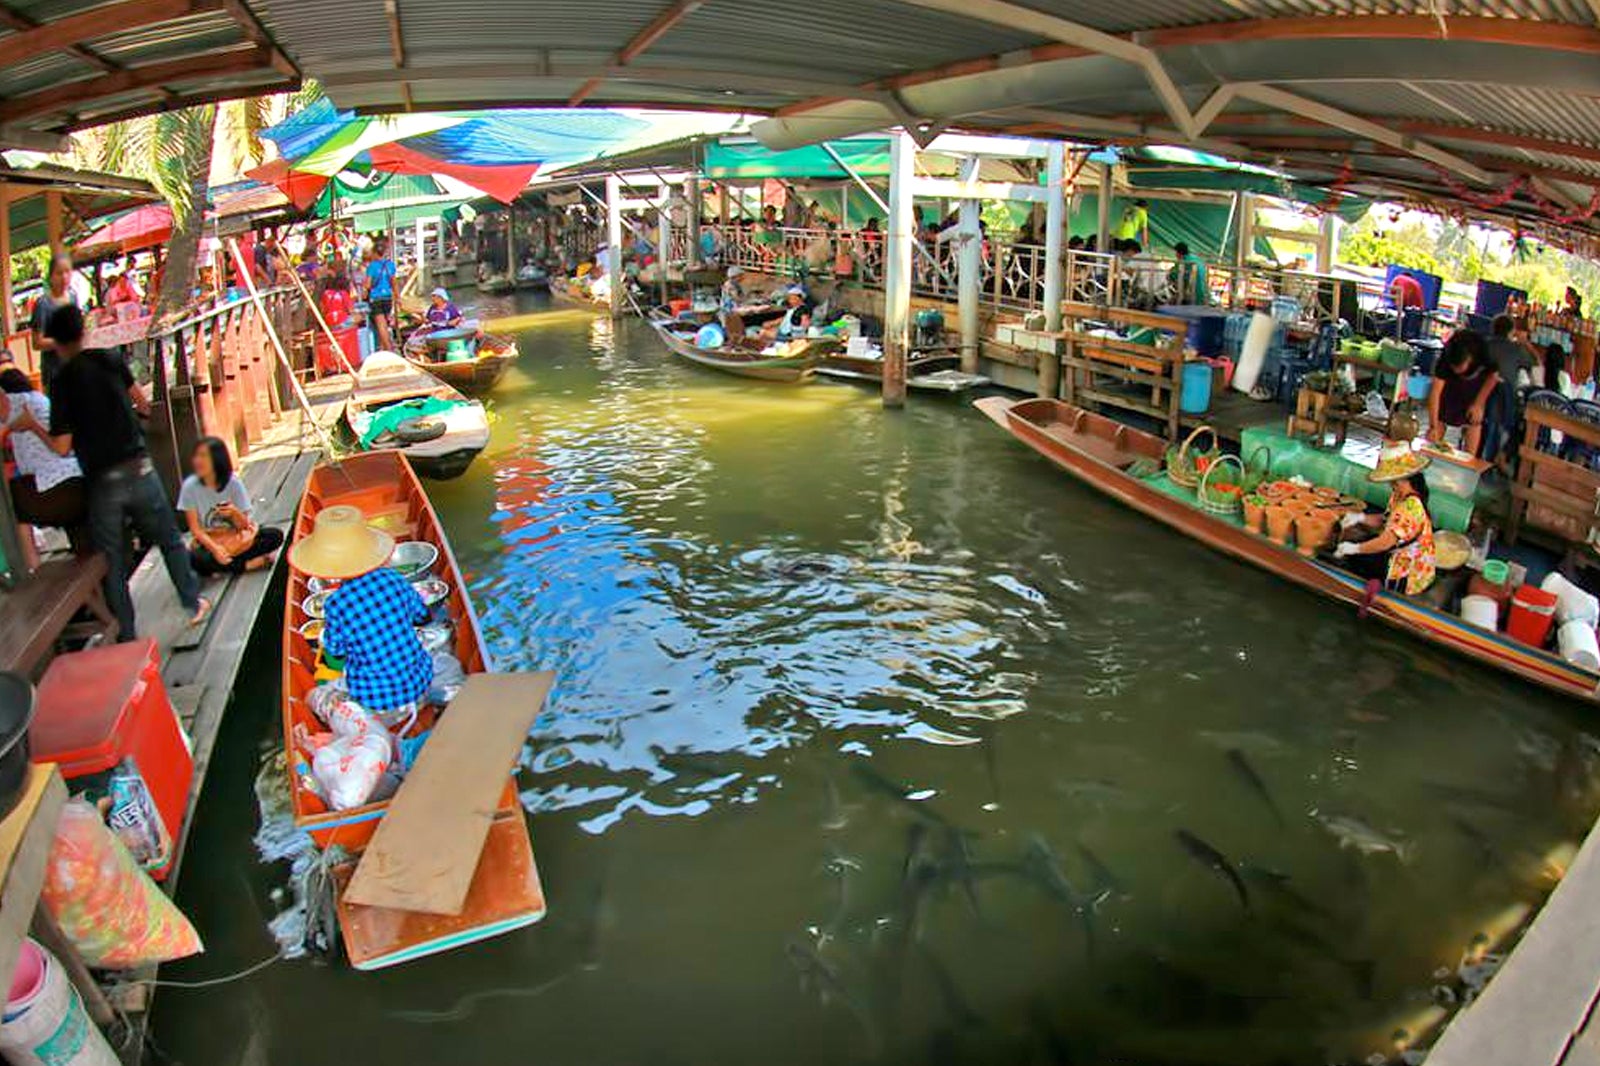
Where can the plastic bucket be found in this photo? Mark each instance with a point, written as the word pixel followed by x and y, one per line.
pixel 1574 603
pixel 44 1022
pixel 1578 644
pixel 1480 611
pixel 710 335
pixel 1418 386
pixel 1533 611
pixel 1196 395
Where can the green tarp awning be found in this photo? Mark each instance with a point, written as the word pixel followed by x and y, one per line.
pixel 731 162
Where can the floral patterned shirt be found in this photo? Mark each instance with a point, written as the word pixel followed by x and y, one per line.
pixel 1412 561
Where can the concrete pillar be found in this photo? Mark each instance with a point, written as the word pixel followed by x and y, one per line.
pixel 424 275
pixel 5 260
pixel 1103 240
pixel 691 190
pixel 1327 243
pixel 439 238
pixel 1055 224
pixel 614 241
pixel 897 269
pixel 969 277
pixel 1244 217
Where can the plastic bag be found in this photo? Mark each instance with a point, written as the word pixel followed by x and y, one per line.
pixel 108 907
pixel 448 677
pixel 348 768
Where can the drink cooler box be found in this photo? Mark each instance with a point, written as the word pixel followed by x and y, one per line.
pixel 106 704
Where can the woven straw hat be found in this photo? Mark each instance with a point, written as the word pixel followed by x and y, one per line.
pixel 341 546
pixel 1397 461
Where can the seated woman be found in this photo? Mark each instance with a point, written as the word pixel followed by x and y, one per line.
pixel 796 320
pixel 370 620
pixel 48 488
pixel 225 538
pixel 1463 381
pixel 441 313
pixel 1401 553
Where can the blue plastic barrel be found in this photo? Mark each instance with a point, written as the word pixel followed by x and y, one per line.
pixel 1418 386
pixel 1195 396
pixel 710 335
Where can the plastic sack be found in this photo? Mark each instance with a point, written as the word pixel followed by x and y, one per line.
pixel 448 677
pixel 348 768
pixel 109 908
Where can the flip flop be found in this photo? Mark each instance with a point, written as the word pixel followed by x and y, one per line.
pixel 201 613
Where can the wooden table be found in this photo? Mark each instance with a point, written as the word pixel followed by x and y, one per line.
pixel 35 613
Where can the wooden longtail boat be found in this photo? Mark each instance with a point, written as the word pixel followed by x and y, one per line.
pixel 496 284
pixel 386 379
pixel 563 291
pixel 493 356
pixel 797 363
pixel 924 373
pixel 1098 450
pixel 505 892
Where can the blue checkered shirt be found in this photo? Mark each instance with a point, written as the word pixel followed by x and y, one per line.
pixel 370 623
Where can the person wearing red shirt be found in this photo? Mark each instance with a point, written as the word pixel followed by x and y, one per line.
pixel 1405 292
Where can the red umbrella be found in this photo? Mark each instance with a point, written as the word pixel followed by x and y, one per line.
pixel 301 188
pixel 143 227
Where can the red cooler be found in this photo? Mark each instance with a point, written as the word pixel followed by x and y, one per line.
pixel 101 706
pixel 1532 611
pixel 328 361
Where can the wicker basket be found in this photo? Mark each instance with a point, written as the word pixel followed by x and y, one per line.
pixel 1228 505
pixel 1255 475
pixel 1183 468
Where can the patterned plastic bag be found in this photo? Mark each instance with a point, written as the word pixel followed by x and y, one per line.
pixel 108 907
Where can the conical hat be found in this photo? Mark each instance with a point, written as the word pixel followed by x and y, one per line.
pixel 341 546
pixel 1397 461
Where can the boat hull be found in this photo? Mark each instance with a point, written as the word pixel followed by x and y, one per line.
pixel 933 374
pixel 788 369
pixel 386 379
pixel 471 377
pixel 1045 426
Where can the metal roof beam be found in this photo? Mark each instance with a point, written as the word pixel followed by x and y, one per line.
pixel 65 34
pixel 639 42
pixel 1476 29
pixel 257 35
pixel 1027 20
pixel 676 76
pixel 133 79
pixel 1272 96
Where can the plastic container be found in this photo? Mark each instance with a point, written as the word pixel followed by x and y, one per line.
pixel 1495 571
pixel 1449 512
pixel 1578 644
pixel 1418 386
pixel 328 361
pixel 710 335
pixel 45 1023
pixel 101 706
pixel 1574 603
pixel 1196 393
pixel 1533 612
pixel 1481 611
pixel 1253 352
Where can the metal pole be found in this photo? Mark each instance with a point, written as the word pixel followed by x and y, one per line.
pixel 970 272
pixel 1103 241
pixel 1054 226
pixel 614 242
pixel 897 269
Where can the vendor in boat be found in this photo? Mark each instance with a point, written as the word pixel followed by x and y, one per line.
pixel 370 620
pixel 441 313
pixel 796 318
pixel 733 298
pixel 1400 554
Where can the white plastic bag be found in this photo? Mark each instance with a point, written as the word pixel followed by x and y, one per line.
pixel 348 768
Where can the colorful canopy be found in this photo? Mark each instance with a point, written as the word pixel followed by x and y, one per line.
pixel 143 227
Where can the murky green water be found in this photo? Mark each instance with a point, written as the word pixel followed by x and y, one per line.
pixel 874 739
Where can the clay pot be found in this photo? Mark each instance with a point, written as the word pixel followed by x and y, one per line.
pixel 1255 516
pixel 1280 523
pixel 1324 494
pixel 1313 530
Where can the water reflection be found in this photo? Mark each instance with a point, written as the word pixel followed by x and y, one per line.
pixel 873 740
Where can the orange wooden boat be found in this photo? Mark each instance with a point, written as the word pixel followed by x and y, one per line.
pixel 506 892
pixel 1099 450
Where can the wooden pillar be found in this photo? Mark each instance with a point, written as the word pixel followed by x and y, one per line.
pixel 52 220
pixel 1054 230
pixel 722 208
pixel 969 276
pixel 614 242
pixel 897 268
pixel 205 400
pixel 691 191
pixel 1103 241
pixel 1327 244
pixel 5 260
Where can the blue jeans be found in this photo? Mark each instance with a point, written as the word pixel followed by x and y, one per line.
pixel 132 492
pixel 1499 418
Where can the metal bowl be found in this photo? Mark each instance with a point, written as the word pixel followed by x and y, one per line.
pixel 432 591
pixel 436 636
pixel 315 604
pixel 321 584
pixel 413 559
pixel 312 631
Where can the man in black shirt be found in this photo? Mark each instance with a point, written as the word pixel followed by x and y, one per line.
pixel 92 405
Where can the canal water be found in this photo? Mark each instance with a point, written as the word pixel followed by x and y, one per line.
pixel 876 740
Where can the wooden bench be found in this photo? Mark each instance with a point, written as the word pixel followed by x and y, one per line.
pixel 35 614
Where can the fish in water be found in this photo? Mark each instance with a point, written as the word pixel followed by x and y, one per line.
pixel 820 978
pixel 1362 971
pixel 959 865
pixel 834 815
pixel 1278 886
pixel 693 765
pixel 1247 774
pixel 839 866
pixel 1353 832
pixel 1043 865
pixel 912 800
pixel 1204 853
pixel 955 1004
pixel 1106 883
pixel 1258 744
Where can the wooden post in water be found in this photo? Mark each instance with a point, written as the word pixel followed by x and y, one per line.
pixel 1054 250
pixel 897 268
pixel 614 242
pixel 691 192
pixel 969 275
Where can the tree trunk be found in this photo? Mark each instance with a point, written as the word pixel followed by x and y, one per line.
pixel 188 221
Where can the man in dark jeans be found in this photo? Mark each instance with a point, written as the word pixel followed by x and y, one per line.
pixel 92 405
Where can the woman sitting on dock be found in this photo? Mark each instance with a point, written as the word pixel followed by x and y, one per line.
pixel 225 538
pixel 48 488
pixel 1401 553
pixel 370 620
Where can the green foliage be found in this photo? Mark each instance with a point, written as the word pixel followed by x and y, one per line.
pixel 31 264
pixel 1410 245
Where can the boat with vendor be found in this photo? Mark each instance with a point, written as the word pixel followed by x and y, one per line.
pixel 379 645
pixel 456 350
pixel 1391 564
pixel 399 405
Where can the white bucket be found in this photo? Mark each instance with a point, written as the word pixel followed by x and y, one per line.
pixel 1578 644
pixel 45 1023
pixel 1481 611
pixel 1253 352
pixel 1573 604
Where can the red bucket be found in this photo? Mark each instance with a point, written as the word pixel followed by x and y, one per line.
pixel 1532 612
